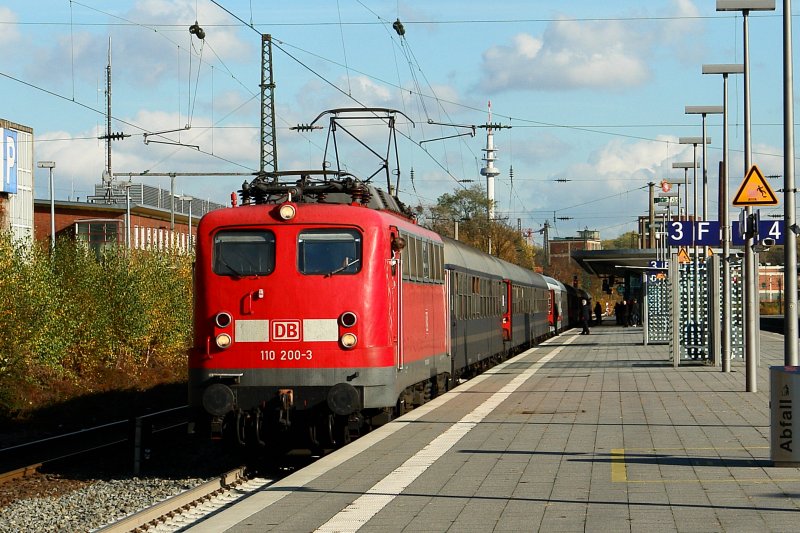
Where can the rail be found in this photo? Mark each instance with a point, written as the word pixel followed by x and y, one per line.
pixel 138 431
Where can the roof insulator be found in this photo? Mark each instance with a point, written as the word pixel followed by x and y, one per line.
pixel 398 27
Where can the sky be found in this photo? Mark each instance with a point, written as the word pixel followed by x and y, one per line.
pixel 591 95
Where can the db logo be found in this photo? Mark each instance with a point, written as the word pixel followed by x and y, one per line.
pixel 286 330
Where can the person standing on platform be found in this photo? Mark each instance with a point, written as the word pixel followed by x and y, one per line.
pixel 633 318
pixel 586 316
pixel 598 313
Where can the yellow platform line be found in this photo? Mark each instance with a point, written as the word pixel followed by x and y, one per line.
pixel 619 470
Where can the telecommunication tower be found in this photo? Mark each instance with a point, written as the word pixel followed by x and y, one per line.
pixel 489 170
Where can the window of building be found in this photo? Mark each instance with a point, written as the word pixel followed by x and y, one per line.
pixel 97 234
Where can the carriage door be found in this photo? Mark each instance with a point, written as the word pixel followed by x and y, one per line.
pixel 506 307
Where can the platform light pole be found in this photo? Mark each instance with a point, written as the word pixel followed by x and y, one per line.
pixel 50 165
pixel 704 110
pixel 685 165
pixel 127 186
pixel 724 217
pixel 751 339
pixel 189 199
pixel 651 217
pixel 790 332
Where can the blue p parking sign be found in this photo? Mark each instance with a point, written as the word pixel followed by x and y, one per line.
pixel 9 172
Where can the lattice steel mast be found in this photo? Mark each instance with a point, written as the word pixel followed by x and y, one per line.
pixel 269 148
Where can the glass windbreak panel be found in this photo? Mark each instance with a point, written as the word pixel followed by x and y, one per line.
pixel 329 252
pixel 244 253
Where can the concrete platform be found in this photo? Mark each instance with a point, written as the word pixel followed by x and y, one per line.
pixel 581 433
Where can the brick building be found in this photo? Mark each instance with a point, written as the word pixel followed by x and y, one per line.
pixel 100 222
pixel 562 265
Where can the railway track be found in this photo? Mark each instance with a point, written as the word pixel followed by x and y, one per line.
pixel 25 471
pixel 136 434
pixel 192 505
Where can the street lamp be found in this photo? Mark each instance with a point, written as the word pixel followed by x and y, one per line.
pixel 685 165
pixel 751 339
pixel 188 199
pixel 50 165
pixel 724 221
pixel 128 215
pixel 704 110
pixel 694 141
pixel 790 332
pixel 171 205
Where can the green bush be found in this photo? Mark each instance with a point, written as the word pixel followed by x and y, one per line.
pixel 72 322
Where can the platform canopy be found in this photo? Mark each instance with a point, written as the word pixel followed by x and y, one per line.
pixel 607 262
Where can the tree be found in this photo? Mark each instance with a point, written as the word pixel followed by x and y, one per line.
pixel 626 240
pixel 469 208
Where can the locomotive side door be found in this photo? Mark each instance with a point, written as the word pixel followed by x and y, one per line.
pixel 394 282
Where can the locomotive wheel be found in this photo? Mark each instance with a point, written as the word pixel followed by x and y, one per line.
pixel 240 427
pixel 258 426
pixel 325 430
pixel 313 439
pixel 312 435
pixel 341 431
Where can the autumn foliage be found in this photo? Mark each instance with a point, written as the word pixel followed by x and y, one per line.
pixel 76 322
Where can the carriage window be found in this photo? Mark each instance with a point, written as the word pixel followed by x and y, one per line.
pixel 244 253
pixel 329 252
pixel 426 269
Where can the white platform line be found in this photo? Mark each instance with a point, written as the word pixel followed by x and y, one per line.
pixel 355 515
pixel 257 502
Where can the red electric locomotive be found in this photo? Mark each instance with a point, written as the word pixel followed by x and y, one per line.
pixel 320 307
pixel 302 319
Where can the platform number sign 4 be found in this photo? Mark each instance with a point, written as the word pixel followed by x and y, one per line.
pixel 775 231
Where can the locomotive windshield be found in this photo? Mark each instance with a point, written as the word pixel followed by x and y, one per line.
pixel 328 252
pixel 244 253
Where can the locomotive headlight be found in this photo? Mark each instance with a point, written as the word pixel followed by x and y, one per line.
pixel 223 340
pixel 348 340
pixel 348 319
pixel 287 211
pixel 223 320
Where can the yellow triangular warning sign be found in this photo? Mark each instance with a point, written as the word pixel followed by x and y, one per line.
pixel 754 190
pixel 683 256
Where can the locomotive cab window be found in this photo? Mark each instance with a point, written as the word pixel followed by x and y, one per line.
pixel 329 252
pixel 244 253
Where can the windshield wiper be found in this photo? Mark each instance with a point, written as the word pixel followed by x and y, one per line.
pixel 228 265
pixel 347 264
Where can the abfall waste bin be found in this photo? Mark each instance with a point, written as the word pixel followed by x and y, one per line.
pixel 784 384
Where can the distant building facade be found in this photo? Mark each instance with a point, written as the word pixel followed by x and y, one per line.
pixel 101 222
pixel 560 249
pixel 16 191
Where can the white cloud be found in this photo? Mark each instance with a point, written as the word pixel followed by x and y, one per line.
pixel 9 34
pixel 570 55
pixel 143 54
pixel 577 54
pixel 623 158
